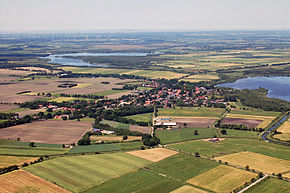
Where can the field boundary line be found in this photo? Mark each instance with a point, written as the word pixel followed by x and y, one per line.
pixel 253 184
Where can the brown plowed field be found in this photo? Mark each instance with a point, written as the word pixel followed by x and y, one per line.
pixel 21 181
pixel 5 107
pixel 140 129
pixel 50 131
pixel 248 122
pixel 194 122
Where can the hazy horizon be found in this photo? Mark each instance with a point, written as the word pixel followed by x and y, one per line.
pixel 131 15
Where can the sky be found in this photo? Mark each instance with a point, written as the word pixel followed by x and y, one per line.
pixel 143 15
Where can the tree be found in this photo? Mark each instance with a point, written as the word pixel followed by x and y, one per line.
pixel 247 168
pixel 125 137
pixel 195 132
pixel 196 154
pixel 32 144
pixel 261 174
pixel 224 132
pixel 279 176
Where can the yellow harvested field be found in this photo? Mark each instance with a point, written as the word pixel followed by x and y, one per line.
pixel 287 175
pixel 24 182
pixel 283 136
pixel 285 128
pixel 115 138
pixel 266 119
pixel 222 179
pixel 154 155
pixel 83 85
pixel 14 160
pixel 188 189
pixel 257 161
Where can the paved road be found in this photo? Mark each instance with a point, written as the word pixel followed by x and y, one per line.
pixel 253 184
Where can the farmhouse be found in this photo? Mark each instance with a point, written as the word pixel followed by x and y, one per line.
pixel 107 132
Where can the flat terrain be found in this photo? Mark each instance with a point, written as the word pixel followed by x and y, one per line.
pixel 7 75
pixel 138 181
pixel 190 112
pixel 78 173
pixel 49 131
pixel 94 148
pixel 257 161
pixel 183 134
pixel 140 129
pixel 230 146
pixel 6 107
pixel 8 92
pixel 114 138
pixel 14 160
pixel 24 182
pixel 188 189
pixel 250 123
pixel 222 179
pixel 271 185
pixel 194 122
pixel 145 117
pixel 241 133
pixel 154 155
pixel 182 166
pixel 285 131
pixel 259 121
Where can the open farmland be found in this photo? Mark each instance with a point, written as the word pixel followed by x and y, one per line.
pixel 229 146
pixel 250 123
pixel 138 181
pixel 241 133
pixel 6 161
pixel 285 131
pixel 222 179
pixel 50 131
pixel 190 112
pixel 24 182
pixel 257 161
pixel 145 117
pixel 200 77
pixel 94 148
pixel 79 173
pixel 7 107
pixel 183 134
pixel 271 185
pixel 7 75
pixel 141 129
pixel 154 155
pixel 8 92
pixel 114 138
pixel 182 166
pixel 194 122
pixel 188 189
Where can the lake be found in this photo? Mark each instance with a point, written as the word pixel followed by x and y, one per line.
pixel 278 86
pixel 58 58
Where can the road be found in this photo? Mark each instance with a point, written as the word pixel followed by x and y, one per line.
pixel 253 184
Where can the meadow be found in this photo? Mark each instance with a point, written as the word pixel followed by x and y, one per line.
pixel 222 179
pixel 138 181
pixel 271 185
pixel 241 134
pixel 78 173
pixel 190 112
pixel 184 134
pixel 232 145
pixel 145 117
pixel 6 161
pixel 94 148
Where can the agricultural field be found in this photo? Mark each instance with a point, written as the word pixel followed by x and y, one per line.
pixel 200 77
pixel 138 181
pixel 114 138
pixel 49 131
pixel 271 185
pixel 7 107
pixel 94 148
pixel 256 161
pixel 188 189
pixel 241 134
pixel 145 73
pixel 182 166
pixel 285 131
pixel 184 134
pixel 9 147
pixel 6 161
pixel 141 129
pixel 24 182
pixel 194 122
pixel 211 113
pixel 145 117
pixel 232 145
pixel 256 113
pixel 78 173
pixel 154 155
pixel 9 76
pixel 8 92
pixel 250 123
pixel 222 179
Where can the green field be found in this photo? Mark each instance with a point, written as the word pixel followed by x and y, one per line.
pixel 145 117
pixel 271 185
pixel 138 181
pixel 78 173
pixel 239 133
pixel 182 166
pixel 129 145
pixel 257 113
pixel 109 92
pixel 184 134
pixel 229 146
pixel 94 148
pixel 8 147
pixel 190 112
pixel 116 124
